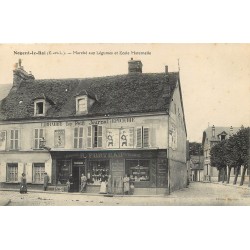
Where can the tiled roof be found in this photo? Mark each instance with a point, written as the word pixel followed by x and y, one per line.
pixel 218 130
pixel 121 94
pixel 4 90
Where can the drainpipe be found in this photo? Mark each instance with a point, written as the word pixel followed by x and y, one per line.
pixel 168 155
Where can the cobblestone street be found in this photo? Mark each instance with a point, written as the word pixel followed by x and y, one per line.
pixel 196 194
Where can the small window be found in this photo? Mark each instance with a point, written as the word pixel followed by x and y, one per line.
pixel 138 170
pixel 39 108
pixel 142 137
pixel 223 137
pixel 12 172
pixel 81 104
pixel 38 172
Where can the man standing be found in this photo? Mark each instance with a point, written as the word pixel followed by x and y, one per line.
pixel 45 181
pixel 83 183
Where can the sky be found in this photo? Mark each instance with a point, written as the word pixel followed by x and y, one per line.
pixel 215 78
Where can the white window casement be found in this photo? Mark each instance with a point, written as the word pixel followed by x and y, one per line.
pixel 78 137
pixel 14 139
pixel 12 172
pixel 94 136
pixel 142 137
pixel 81 104
pixel 39 134
pixel 39 107
pixel 38 172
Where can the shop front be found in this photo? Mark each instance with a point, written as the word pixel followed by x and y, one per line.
pixel 147 170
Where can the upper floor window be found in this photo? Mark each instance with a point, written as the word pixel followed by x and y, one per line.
pixel 14 139
pixel 38 136
pixel 78 137
pixel 94 136
pixel 142 137
pixel 39 107
pixel 81 104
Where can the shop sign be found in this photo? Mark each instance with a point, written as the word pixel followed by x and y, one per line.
pixel 59 138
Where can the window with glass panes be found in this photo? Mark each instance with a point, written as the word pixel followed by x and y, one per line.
pixel 14 139
pixel 38 136
pixel 12 172
pixel 138 170
pixel 78 137
pixel 142 137
pixel 94 136
pixel 38 172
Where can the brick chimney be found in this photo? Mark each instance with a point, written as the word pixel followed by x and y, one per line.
pixel 20 75
pixel 134 66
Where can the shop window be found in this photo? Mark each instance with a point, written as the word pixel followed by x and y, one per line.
pixel 38 136
pixel 63 170
pixel 78 137
pixel 97 170
pixel 12 172
pixel 142 137
pixel 94 136
pixel 14 139
pixel 39 108
pixel 38 172
pixel 138 170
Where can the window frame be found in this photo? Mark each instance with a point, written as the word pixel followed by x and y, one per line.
pixel 36 102
pixel 146 169
pixel 141 143
pixel 78 137
pixel 15 140
pixel 41 172
pixel 39 138
pixel 95 136
pixel 79 98
pixel 8 172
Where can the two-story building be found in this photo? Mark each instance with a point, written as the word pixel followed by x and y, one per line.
pixel 211 136
pixel 124 124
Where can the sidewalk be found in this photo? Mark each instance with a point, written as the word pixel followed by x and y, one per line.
pixel 79 193
pixel 4 202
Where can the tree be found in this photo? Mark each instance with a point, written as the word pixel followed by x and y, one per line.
pixel 195 148
pixel 218 158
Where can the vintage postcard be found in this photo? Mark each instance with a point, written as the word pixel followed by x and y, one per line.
pixel 124 124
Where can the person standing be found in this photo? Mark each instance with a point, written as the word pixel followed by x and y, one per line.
pixel 45 181
pixel 109 185
pixel 23 184
pixel 71 183
pixel 126 184
pixel 103 188
pixel 83 183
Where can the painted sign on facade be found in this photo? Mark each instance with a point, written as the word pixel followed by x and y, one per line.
pixel 2 140
pixel 172 136
pixel 112 138
pixel 59 138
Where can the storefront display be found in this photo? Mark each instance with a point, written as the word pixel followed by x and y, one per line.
pixel 97 170
pixel 63 167
pixel 138 170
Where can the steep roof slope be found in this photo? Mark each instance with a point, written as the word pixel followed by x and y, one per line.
pixel 4 90
pixel 120 94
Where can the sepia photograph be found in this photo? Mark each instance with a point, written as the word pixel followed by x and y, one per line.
pixel 151 124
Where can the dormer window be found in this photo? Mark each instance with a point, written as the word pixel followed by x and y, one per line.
pixel 81 104
pixel 39 107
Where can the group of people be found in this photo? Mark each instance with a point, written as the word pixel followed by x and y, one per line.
pixel 23 183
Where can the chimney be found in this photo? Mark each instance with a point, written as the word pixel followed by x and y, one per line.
pixel 134 66
pixel 20 75
pixel 231 131
pixel 213 131
pixel 166 69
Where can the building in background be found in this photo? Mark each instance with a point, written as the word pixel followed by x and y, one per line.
pixel 211 136
pixel 105 126
pixel 196 166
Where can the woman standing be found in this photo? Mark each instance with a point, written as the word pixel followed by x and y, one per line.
pixel 23 184
pixel 126 184
pixel 103 188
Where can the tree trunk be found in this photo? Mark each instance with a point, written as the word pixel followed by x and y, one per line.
pixel 229 172
pixel 219 175
pixel 243 176
pixel 236 175
pixel 224 174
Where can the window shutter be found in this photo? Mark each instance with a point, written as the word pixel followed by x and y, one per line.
pixel 131 138
pixel 29 172
pixel 16 139
pixel 3 172
pixel 75 137
pixel 12 139
pixel 139 137
pixel 145 137
pixel 89 137
pixel 99 136
pixel 36 145
pixel 19 171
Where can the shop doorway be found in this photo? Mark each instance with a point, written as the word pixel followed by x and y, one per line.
pixel 76 178
pixel 118 172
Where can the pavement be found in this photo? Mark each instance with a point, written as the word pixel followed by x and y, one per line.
pixel 198 194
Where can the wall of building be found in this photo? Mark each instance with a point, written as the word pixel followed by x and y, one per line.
pixel 157 126
pixel 177 144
